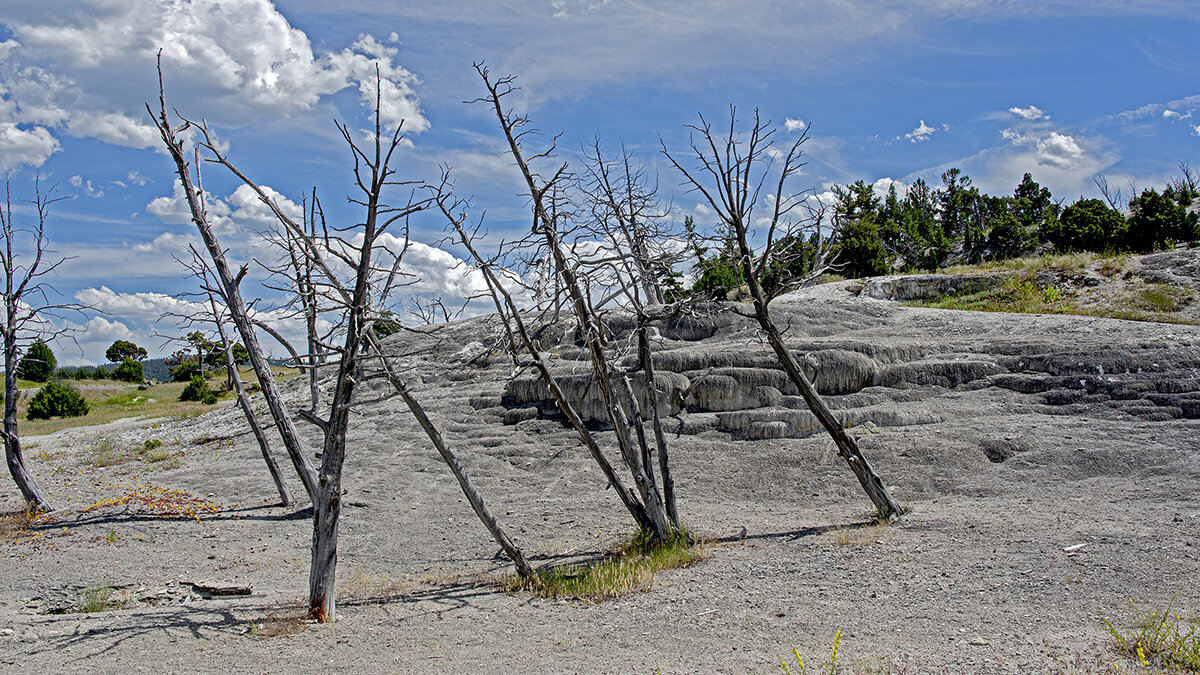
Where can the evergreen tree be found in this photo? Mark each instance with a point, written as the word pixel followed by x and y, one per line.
pixel 120 350
pixel 1157 221
pixel 1086 225
pixel 860 251
pixel 38 364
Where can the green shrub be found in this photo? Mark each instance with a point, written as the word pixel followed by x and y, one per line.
pixel 718 277
pixel 860 251
pixel 100 373
pixel 1157 222
pixel 197 390
pixel 38 364
pixel 57 400
pixel 129 371
pixel 1087 225
pixel 1009 238
pixel 184 371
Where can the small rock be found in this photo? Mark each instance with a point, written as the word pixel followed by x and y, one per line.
pixel 219 590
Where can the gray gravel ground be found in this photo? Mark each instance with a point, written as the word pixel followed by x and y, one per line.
pixel 1037 506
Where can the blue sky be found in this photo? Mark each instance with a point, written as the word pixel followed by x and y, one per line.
pixel 892 90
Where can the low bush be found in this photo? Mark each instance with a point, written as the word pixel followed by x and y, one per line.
pixel 57 400
pixel 197 390
pixel 38 364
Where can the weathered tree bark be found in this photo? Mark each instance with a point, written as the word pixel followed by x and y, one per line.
pixel 327 508
pixel 660 439
pixel 34 499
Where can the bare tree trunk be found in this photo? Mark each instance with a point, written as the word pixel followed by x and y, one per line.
pixel 847 447
pixel 327 509
pixel 736 178
pixel 34 499
pixel 660 440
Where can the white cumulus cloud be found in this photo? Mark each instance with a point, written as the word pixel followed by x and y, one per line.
pixel 31 146
pixel 87 72
pixel 1059 150
pixel 794 124
pixel 921 133
pixel 136 306
pixel 1031 113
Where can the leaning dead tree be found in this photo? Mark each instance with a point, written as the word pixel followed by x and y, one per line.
pixel 555 235
pixel 730 170
pixel 26 261
pixel 216 314
pixel 355 269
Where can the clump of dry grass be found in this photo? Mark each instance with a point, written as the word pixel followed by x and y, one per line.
pixel 864 535
pixel 356 585
pixel 631 569
pixel 15 524
pixel 1071 262
pixel 100 598
pixel 285 621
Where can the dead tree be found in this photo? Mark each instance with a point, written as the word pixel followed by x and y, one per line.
pixel 521 341
pixel 550 225
pixel 217 315
pixel 730 170
pixel 624 206
pixel 626 219
pixel 27 263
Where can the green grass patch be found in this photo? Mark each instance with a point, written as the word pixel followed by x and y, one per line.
pixel 1022 293
pixel 1018 293
pixel 631 569
pixel 100 598
pixel 1162 298
pixel 1166 639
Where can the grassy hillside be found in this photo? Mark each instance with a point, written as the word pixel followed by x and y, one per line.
pixel 110 400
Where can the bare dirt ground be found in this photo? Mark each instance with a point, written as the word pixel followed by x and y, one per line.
pixel 1051 465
